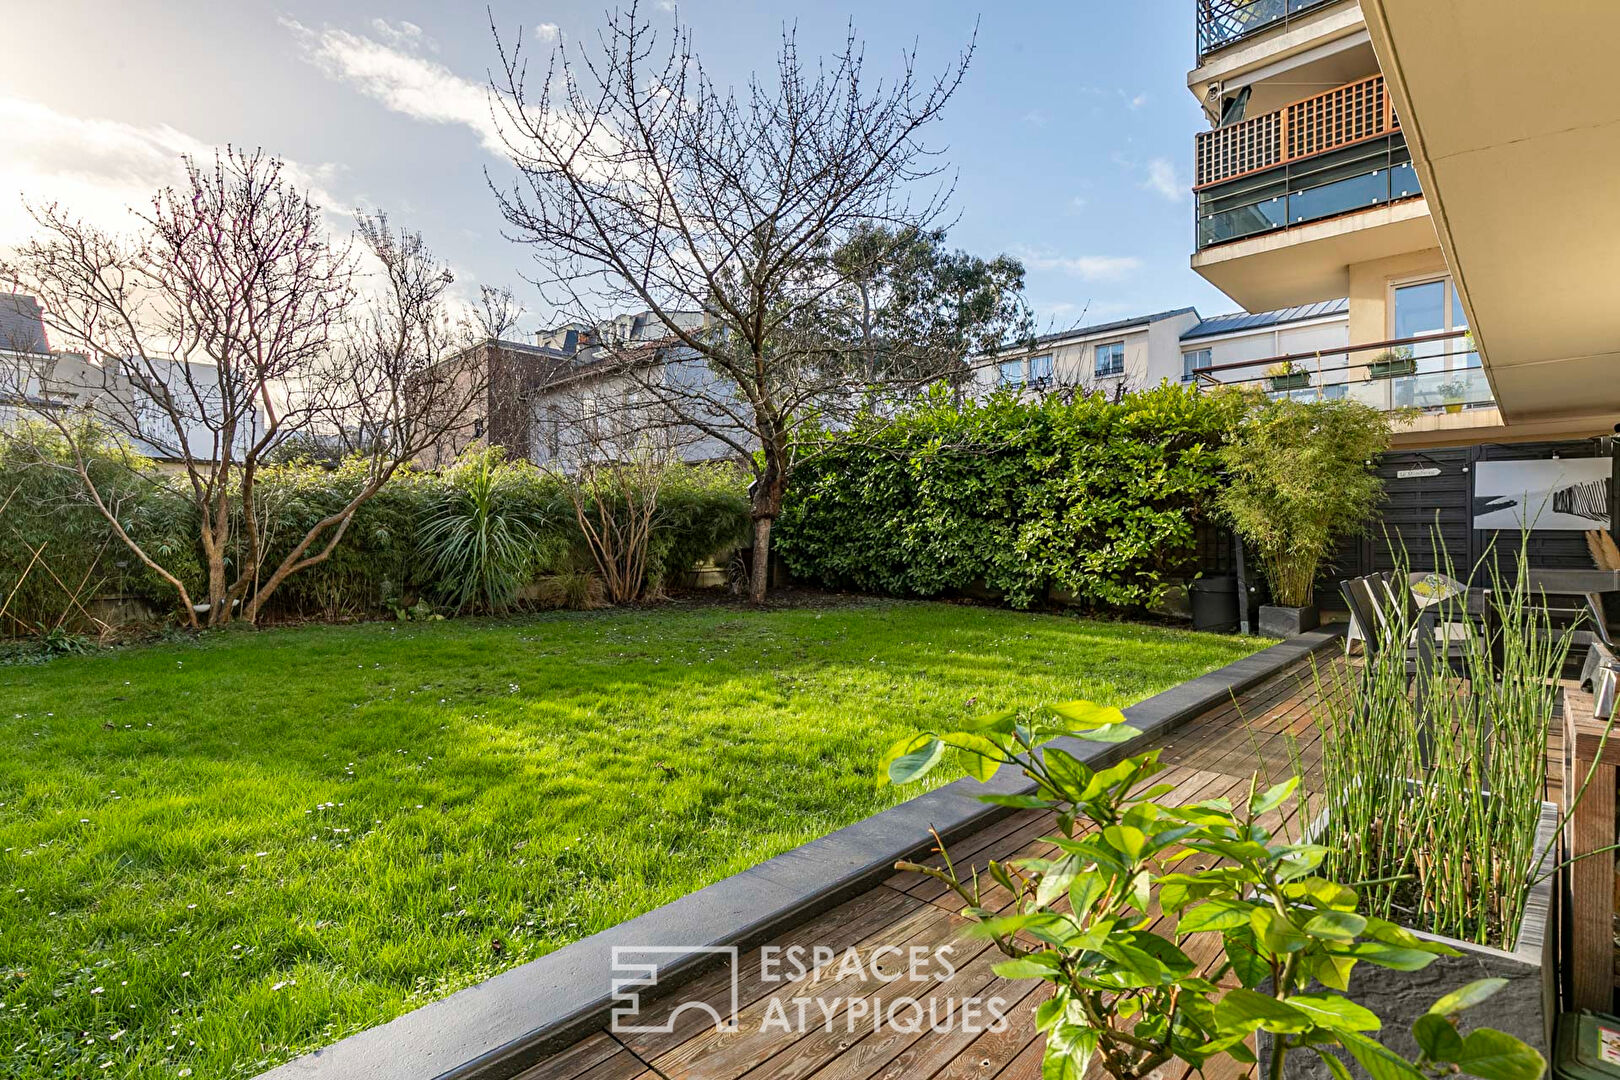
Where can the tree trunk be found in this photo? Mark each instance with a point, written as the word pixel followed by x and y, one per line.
pixel 759 577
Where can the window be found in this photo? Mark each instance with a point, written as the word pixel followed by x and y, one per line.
pixel 1111 358
pixel 1012 372
pixel 1431 308
pixel 1192 363
pixel 1040 369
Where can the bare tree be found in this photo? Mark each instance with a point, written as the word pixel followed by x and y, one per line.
pixel 226 327
pixel 642 185
pixel 497 312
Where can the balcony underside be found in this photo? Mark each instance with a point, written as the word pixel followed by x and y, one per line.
pixel 1515 135
pixel 1306 263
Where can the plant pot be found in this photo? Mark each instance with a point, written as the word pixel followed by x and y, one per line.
pixel 1454 407
pixel 1391 369
pixel 1287 622
pixel 1293 381
pixel 1525 1007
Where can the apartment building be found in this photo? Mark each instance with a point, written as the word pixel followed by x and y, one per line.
pixel 1443 168
pixel 1111 357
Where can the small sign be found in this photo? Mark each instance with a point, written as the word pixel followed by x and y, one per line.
pixel 1609 1045
pixel 1415 474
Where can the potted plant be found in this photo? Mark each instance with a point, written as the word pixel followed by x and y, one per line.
pixel 1298 480
pixel 1285 376
pixel 1392 364
pixel 1453 393
pixel 1433 797
pixel 1127 991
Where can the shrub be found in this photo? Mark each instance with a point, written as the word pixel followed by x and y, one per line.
pixel 485 534
pixel 1299 480
pixel 1097 498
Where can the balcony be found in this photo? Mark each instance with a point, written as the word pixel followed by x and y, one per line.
pixel 1433 375
pixel 1222 22
pixel 1321 156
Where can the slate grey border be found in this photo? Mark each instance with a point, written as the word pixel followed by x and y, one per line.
pixel 498 1028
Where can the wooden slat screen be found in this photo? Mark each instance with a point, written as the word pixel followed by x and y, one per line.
pixel 1313 125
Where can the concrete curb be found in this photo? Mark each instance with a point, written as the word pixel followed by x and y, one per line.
pixel 498 1028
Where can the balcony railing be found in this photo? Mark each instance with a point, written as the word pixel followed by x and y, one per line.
pixel 1221 22
pixel 1315 125
pixel 1438 373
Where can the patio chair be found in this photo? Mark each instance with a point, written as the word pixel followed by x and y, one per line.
pixel 1378 602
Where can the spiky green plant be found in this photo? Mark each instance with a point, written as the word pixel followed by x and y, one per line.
pixel 478 544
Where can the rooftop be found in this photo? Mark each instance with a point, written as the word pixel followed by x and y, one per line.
pixel 1239 321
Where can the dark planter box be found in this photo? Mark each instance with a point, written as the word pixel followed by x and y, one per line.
pixel 1293 381
pixel 1525 1007
pixel 1390 369
pixel 1287 622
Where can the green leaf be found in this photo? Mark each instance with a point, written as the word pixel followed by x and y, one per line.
pixel 1336 925
pixel 1215 915
pixel 1340 1014
pixel 1332 971
pixel 1466 997
pixel 1386 956
pixel 1246 1010
pixel 1495 1055
pixel 1069 1048
pixel 1001 723
pixel 921 754
pixel 1018 802
pixel 1247 964
pixel 1338 1068
pixel 1437 1036
pixel 980 757
pixel 1109 733
pixel 1084 893
pixel 1129 841
pixel 1380 1063
pixel 1272 797
pixel 1039 966
pixel 1085 715
pixel 1070 773
pixel 1056 881
pixel 1275 932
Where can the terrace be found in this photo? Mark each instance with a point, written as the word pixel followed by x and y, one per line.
pixel 1226 22
pixel 1431 374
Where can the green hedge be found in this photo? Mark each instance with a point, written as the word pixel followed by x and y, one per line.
pixel 379 562
pixel 1095 498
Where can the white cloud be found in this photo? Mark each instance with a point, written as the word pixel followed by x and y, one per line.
pixel 403 35
pixel 1084 267
pixel 546 31
pixel 1136 102
pixel 1162 180
pixel 401 80
pixel 97 169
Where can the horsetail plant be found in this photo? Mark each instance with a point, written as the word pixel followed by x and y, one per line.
pixel 1433 784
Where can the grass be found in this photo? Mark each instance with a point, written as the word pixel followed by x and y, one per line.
pixel 220 853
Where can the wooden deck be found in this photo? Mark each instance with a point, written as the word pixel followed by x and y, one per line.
pixel 1213 755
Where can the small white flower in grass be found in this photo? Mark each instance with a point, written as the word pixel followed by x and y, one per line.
pixel 185 974
pixel 99 990
pixel 191 907
pixel 260 854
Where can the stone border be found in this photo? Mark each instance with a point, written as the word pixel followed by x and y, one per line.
pixel 497 1028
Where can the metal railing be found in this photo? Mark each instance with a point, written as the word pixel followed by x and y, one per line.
pixel 1221 22
pixel 1305 128
pixel 1435 373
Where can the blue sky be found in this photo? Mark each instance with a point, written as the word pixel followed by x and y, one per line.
pixel 1071 136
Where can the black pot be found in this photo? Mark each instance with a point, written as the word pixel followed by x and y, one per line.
pixel 1287 622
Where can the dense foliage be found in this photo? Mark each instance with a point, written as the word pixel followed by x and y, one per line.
pixel 1093 498
pixel 1300 479
pixel 469 538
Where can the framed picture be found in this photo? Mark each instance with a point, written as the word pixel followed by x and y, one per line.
pixel 1570 494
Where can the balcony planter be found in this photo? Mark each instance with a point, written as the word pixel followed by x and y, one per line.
pixel 1523 1008
pixel 1392 368
pixel 1286 622
pixel 1293 380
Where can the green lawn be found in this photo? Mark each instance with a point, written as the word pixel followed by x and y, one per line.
pixel 219 854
